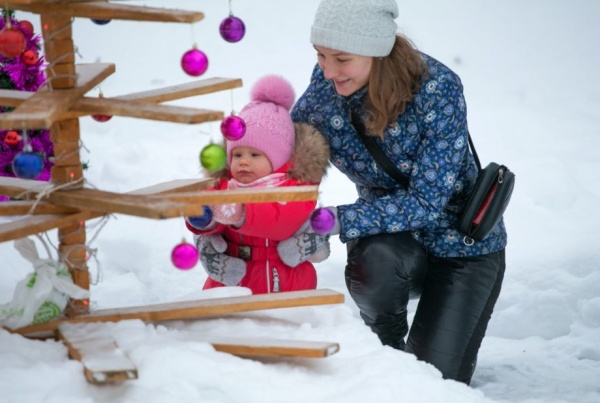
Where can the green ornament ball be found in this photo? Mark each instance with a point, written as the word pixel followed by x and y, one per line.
pixel 213 157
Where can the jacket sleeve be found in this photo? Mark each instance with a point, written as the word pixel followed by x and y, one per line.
pixel 441 118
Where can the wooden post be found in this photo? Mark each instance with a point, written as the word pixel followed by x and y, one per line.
pixel 65 136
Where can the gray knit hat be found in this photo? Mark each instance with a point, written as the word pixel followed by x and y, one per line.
pixel 359 27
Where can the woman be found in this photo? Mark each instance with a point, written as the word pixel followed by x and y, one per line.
pixel 402 240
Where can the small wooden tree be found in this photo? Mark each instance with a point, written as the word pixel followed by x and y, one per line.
pixel 66 204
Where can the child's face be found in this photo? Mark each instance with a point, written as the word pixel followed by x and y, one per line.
pixel 249 164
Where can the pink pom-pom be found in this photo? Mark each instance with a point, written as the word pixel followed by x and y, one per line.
pixel 275 89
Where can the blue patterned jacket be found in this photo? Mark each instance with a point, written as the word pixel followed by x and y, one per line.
pixel 429 143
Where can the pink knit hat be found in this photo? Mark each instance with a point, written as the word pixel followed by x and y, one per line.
pixel 269 127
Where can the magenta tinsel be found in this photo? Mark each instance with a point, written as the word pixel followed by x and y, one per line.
pixel 24 77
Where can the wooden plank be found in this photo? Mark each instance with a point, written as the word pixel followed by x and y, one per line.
pixel 43 108
pixel 134 205
pixel 105 10
pixel 11 208
pixel 194 309
pixel 103 361
pixel 194 88
pixel 142 110
pixel 17 187
pixel 175 186
pixel 35 224
pixel 267 347
pixel 14 98
pixel 290 193
pixel 126 105
pixel 169 205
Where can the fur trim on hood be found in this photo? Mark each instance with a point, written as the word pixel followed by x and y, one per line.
pixel 309 161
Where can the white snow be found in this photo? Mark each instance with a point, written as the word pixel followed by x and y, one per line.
pixel 530 74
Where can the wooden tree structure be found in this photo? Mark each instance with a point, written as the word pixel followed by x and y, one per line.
pixel 66 204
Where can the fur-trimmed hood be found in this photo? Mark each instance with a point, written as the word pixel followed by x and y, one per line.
pixel 309 161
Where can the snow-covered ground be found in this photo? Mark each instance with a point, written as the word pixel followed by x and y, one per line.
pixel 529 71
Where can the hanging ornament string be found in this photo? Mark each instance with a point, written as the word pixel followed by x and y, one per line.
pixel 233 127
pixel 194 62
pixel 184 255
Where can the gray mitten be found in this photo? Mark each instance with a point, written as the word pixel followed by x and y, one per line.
pixel 220 267
pixel 304 245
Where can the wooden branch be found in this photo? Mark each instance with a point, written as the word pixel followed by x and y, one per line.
pixel 103 361
pixel 267 347
pixel 159 206
pixel 22 188
pixel 291 193
pixel 165 113
pixel 47 216
pixel 141 105
pixel 193 309
pixel 175 186
pixel 13 98
pixel 35 224
pixel 187 90
pixel 43 108
pixel 105 10
pixel 11 208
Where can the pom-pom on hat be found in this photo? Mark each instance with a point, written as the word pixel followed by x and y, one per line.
pixel 359 27
pixel 269 127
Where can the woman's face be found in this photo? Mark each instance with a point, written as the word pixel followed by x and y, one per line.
pixel 348 72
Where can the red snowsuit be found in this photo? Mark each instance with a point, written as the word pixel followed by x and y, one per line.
pixel 268 223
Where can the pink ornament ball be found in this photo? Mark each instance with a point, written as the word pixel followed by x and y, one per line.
pixel 322 220
pixel 101 118
pixel 233 128
pixel 232 29
pixel 194 62
pixel 184 256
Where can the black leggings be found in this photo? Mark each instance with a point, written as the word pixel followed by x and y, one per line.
pixel 457 299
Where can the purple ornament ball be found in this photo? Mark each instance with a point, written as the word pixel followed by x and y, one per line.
pixel 232 29
pixel 27 165
pixel 194 62
pixel 184 256
pixel 233 128
pixel 322 220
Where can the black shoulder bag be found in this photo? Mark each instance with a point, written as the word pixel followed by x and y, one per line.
pixel 487 203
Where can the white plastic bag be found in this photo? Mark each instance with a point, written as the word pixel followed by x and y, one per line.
pixel 41 295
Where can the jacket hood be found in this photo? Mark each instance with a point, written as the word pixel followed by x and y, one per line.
pixel 309 161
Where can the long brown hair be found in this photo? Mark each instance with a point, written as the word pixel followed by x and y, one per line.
pixel 393 82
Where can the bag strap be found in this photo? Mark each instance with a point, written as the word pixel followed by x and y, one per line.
pixel 474 153
pixel 383 160
pixel 376 151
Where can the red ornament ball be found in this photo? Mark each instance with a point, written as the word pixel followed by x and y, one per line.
pixel 184 256
pixel 12 42
pixel 29 57
pixel 26 26
pixel 233 128
pixel 102 118
pixel 322 220
pixel 12 138
pixel 232 29
pixel 194 62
